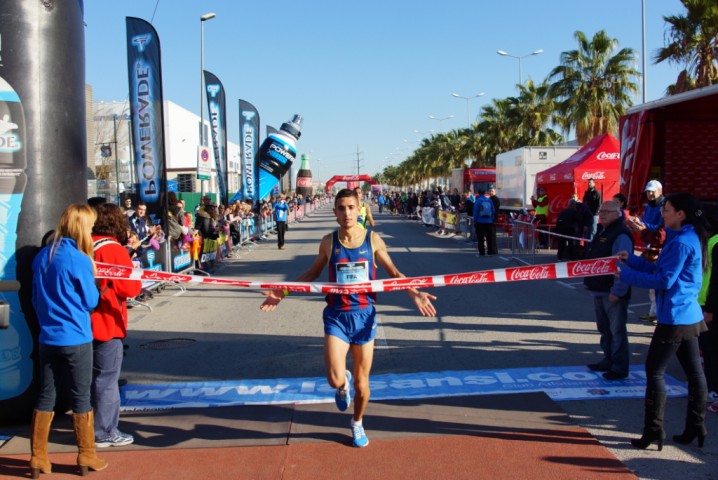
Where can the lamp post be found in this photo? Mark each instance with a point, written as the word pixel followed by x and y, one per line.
pixel 519 58
pixel 456 95
pixel 203 18
pixel 441 120
pixel 117 160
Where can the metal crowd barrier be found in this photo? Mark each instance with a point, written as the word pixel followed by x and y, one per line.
pixel 172 258
pixel 523 242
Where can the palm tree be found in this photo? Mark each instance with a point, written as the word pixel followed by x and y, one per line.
pixel 693 43
pixel 593 87
pixel 536 110
pixel 498 128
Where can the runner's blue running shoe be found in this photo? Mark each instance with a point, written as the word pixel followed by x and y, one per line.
pixel 359 438
pixel 343 396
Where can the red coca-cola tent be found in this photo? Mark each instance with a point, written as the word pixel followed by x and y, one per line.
pixel 598 159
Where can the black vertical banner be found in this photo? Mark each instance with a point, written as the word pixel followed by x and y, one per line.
pixel 144 70
pixel 249 148
pixel 216 104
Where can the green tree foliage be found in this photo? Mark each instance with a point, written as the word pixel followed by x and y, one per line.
pixel 692 42
pixel 593 86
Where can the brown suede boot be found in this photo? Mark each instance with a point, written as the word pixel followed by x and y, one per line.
pixel 84 424
pixel 41 422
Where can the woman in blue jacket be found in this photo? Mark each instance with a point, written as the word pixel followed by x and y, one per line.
pixel 63 294
pixel 677 277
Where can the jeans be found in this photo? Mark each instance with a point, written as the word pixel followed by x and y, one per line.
pixel 105 390
pixel 281 228
pixel 659 354
pixel 65 364
pixel 611 319
pixel 483 231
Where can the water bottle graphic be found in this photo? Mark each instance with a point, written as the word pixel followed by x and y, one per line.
pixel 304 178
pixel 277 153
pixel 16 341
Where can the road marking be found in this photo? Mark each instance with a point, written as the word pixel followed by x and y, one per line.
pixel 380 339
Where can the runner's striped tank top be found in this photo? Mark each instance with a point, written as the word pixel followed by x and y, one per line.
pixel 351 265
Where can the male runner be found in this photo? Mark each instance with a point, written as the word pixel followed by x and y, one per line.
pixel 350 320
pixel 364 210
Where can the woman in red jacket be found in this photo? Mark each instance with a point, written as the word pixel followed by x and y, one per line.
pixel 109 325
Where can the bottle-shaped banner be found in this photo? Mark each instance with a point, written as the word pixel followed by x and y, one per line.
pixel 304 178
pixel 277 153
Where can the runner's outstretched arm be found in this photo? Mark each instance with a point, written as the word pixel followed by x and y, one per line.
pixel 276 296
pixel 422 300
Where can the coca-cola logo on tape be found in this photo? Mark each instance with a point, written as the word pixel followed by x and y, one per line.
pixel 402 284
pixel 291 288
pixel 114 272
pixel 608 156
pixel 603 266
pixel 539 272
pixel 470 278
pixel 601 175
pixel 346 290
pixel 224 281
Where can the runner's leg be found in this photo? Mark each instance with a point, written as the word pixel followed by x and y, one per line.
pixel 363 356
pixel 335 360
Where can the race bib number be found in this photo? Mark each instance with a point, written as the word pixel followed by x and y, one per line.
pixel 352 272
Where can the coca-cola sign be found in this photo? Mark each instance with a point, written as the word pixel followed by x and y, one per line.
pixel 608 156
pixel 304 182
pixel 469 278
pixel 538 272
pixel 589 268
pixel 559 203
pixel 600 175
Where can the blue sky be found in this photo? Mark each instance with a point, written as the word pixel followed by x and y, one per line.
pixel 364 74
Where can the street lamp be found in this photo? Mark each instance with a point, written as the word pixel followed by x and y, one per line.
pixel 203 18
pixel 441 120
pixel 456 95
pixel 519 58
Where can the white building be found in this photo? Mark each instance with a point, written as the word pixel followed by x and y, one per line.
pixel 113 156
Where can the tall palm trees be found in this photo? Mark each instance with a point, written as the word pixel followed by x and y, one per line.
pixel 592 86
pixel 693 42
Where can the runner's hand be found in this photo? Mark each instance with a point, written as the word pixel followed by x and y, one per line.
pixel 272 300
pixel 422 300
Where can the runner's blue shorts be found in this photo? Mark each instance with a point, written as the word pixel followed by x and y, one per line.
pixel 355 327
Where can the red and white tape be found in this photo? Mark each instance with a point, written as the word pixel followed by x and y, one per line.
pixel 548 271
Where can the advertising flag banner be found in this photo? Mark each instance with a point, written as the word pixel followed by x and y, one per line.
pixel 216 105
pixel 249 147
pixel 145 82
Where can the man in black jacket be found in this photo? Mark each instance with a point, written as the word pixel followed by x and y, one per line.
pixel 610 295
pixel 592 199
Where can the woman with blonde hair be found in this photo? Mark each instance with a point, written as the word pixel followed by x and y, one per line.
pixel 63 294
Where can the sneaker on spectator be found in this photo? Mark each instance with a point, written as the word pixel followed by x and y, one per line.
pixel 713 407
pixel 342 397
pixel 712 396
pixel 359 438
pixel 118 439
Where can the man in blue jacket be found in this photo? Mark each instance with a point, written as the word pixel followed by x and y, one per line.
pixel 280 217
pixel 483 221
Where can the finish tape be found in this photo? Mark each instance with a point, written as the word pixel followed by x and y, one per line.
pixel 548 271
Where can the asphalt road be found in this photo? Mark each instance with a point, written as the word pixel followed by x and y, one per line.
pixel 542 323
